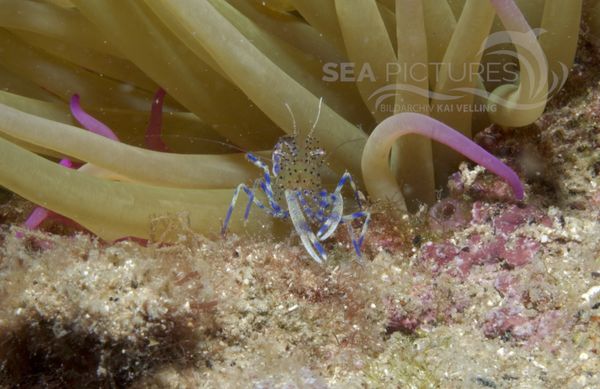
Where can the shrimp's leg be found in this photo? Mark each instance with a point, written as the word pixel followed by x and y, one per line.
pixel 252 200
pixel 348 219
pixel 266 185
pixel 323 204
pixel 347 178
pixel 236 193
pixel 335 216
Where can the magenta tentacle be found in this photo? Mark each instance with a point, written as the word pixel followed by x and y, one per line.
pixel 380 181
pixel 67 163
pixel 36 218
pixel 511 15
pixel 152 138
pixel 40 214
pixel 89 122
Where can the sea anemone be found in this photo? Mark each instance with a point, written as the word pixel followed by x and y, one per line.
pixel 229 69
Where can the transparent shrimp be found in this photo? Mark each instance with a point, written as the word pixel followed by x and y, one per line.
pixel 293 190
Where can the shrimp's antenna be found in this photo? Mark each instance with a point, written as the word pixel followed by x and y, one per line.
pixel 193 139
pixel 317 119
pixel 336 149
pixel 293 119
pixel 222 143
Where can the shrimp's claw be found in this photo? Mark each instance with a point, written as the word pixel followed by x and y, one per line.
pixel 307 236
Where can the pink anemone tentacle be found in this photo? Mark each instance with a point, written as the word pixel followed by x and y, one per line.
pixel 152 139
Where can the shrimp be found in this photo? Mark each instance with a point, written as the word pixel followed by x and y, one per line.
pixel 293 190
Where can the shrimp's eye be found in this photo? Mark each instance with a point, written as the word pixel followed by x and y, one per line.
pixel 317 153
